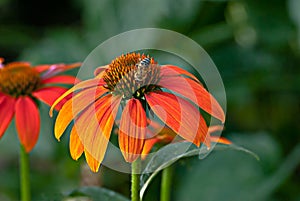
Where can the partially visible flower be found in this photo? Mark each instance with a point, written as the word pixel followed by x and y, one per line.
pixel 165 135
pixel 136 85
pixel 21 86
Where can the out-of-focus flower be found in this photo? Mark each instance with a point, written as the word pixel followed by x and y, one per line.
pixel 21 86
pixel 136 86
pixel 165 135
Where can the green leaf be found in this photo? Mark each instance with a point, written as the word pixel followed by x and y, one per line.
pixel 49 197
pixel 94 194
pixel 171 153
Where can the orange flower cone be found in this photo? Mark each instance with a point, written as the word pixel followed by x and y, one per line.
pixel 21 85
pixel 133 86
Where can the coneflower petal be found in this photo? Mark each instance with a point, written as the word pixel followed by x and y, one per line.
pixel 149 143
pixel 75 145
pixel 91 161
pixel 179 114
pixel 195 92
pixel 7 105
pixel 42 68
pixel 27 123
pixel 74 106
pixel 49 94
pixel 55 69
pixel 100 70
pixel 132 130
pixel 220 140
pixel 170 70
pixel 94 125
pixel 60 79
pixel 79 86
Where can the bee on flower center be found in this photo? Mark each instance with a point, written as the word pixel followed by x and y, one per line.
pixel 142 69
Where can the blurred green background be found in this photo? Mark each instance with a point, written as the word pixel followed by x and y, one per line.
pixel 255 45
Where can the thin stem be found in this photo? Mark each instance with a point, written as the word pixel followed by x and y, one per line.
pixel 24 175
pixel 135 180
pixel 165 191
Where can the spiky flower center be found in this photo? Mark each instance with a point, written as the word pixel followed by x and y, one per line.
pixel 127 76
pixel 17 79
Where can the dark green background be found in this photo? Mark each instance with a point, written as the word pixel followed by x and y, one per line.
pixel 255 45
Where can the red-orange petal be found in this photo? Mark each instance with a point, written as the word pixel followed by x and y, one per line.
pixel 7 105
pixel 220 140
pixel 132 130
pixel 60 79
pixel 79 86
pixel 55 68
pixel 42 68
pixel 215 128
pixel 27 122
pixel 149 143
pixel 170 70
pixel 94 125
pixel 196 93
pixel 100 70
pixel 49 94
pixel 179 114
pixel 75 145
pixel 91 161
pixel 74 106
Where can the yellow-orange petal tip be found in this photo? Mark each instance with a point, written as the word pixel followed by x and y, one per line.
pixel 51 112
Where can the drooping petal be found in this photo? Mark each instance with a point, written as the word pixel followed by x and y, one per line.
pixel 7 105
pixel 196 93
pixel 170 70
pixel 27 122
pixel 132 130
pixel 179 114
pixel 100 70
pixel 94 125
pixel 42 68
pixel 49 94
pixel 215 128
pixel 56 68
pixel 75 145
pixel 160 131
pixel 60 79
pixel 74 106
pixel 149 143
pixel 220 140
pixel 80 85
pixel 91 161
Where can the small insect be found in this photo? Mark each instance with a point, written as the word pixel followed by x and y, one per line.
pixel 142 69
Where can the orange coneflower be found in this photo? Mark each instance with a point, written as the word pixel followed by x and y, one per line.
pixel 21 85
pixel 165 135
pixel 138 87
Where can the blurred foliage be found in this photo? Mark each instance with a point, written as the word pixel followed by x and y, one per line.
pixel 171 153
pixel 94 193
pixel 255 45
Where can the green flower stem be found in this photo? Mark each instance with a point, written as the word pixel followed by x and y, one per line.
pixel 135 180
pixel 166 180
pixel 24 175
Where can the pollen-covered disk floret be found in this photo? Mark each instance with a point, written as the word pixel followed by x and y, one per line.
pixel 120 76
